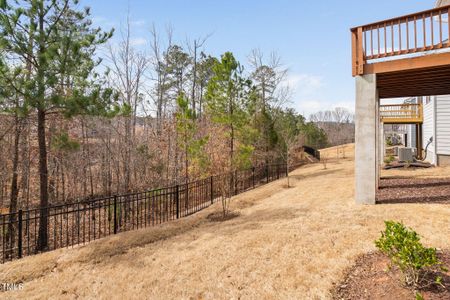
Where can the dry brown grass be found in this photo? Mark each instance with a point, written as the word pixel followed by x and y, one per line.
pixel 338 152
pixel 285 244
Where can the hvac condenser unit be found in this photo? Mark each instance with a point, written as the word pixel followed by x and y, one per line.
pixel 405 154
pixel 395 151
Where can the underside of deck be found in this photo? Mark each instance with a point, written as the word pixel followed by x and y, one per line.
pixel 413 82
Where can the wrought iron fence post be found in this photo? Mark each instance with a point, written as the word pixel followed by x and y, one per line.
pixel 235 182
pixel 177 200
pixel 186 195
pixel 267 173
pixel 253 176
pixel 212 190
pixel 19 240
pixel 278 171
pixel 115 214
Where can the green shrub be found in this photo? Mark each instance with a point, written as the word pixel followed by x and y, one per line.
pixel 389 159
pixel 389 142
pixel 402 245
pixel 419 296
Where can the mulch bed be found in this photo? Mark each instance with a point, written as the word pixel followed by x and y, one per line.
pixel 413 190
pixel 397 165
pixel 370 278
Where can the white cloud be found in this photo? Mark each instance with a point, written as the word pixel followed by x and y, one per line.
pixel 308 107
pixel 102 21
pixel 304 84
pixel 308 96
pixel 138 41
pixel 138 23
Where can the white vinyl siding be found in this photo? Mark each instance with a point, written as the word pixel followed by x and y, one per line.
pixel 428 129
pixel 443 124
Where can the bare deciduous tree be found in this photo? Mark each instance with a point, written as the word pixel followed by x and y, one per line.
pixel 127 72
pixel 338 124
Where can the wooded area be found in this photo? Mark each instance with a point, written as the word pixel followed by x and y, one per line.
pixel 84 117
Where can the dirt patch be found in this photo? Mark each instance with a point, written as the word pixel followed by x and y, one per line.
pixel 414 190
pixel 219 217
pixel 371 278
pixel 285 186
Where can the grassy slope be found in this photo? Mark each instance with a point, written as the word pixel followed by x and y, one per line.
pixel 287 243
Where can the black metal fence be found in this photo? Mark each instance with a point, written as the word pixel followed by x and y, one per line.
pixel 81 222
pixel 312 151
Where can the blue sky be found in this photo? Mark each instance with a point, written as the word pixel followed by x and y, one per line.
pixel 312 37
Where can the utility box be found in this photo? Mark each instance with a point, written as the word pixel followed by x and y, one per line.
pixel 405 154
pixel 395 151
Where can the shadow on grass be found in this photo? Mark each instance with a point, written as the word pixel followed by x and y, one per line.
pixel 315 174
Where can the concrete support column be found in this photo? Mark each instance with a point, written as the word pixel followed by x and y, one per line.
pixel 367 153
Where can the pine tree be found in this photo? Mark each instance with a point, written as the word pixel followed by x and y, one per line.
pixel 57 41
pixel 227 97
pixel 195 158
pixel 205 72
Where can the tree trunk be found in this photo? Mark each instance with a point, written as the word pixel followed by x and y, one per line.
pixel 287 168
pixel 231 111
pixel 42 243
pixel 194 79
pixel 200 104
pixel 11 234
pixel 28 164
pixel 186 157
pixel 127 162
pixel 43 177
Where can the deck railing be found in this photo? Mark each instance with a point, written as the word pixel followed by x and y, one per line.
pixel 401 113
pixel 411 34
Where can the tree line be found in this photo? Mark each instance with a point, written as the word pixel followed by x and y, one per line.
pixel 82 116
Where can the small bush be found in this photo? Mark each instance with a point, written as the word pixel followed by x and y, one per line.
pixel 416 262
pixel 389 159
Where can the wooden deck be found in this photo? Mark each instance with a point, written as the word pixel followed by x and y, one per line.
pixel 401 114
pixel 410 54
